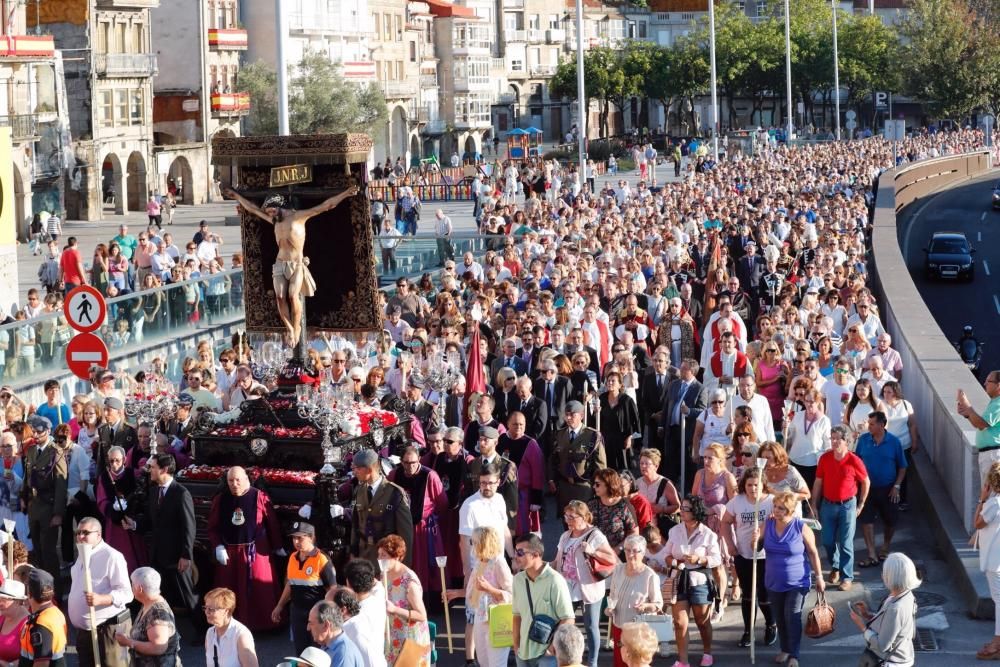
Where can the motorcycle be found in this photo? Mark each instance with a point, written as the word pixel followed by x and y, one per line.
pixel 971 352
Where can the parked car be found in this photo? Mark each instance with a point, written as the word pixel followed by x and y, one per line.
pixel 949 255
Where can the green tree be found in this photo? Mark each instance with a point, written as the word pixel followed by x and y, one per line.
pixel 320 99
pixel 946 47
pixel 868 52
pixel 262 83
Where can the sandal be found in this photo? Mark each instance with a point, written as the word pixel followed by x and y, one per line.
pixel 990 651
pixel 869 562
pixel 883 553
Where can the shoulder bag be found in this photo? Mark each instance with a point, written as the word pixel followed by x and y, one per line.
pixel 542 626
pixel 664 521
pixel 822 618
pixel 669 588
pixel 870 658
pixel 600 569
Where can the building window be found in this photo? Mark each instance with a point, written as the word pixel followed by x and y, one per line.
pixel 105 110
pixel 742 6
pixel 761 7
pixel 534 22
pixel 553 21
pixel 387 27
pixel 135 107
pixel 102 37
pixel 121 107
pixel 642 30
pixel 413 52
pixel 517 65
pixel 398 20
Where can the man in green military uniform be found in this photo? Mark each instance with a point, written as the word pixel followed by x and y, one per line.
pixel 381 508
pixel 43 496
pixel 487 454
pixel 578 454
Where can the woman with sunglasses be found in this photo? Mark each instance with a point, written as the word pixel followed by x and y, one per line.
pixel 712 425
pixel 772 375
pixel 583 539
pixel 716 486
pixel 808 436
pixel 744 449
pixel 612 511
pixel 633 589
pixel 855 346
pixel 831 308
pixel 657 489
pixel 780 476
pixel 694 549
pixel 791 565
pixel 863 402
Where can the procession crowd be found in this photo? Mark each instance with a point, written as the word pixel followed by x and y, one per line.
pixel 689 376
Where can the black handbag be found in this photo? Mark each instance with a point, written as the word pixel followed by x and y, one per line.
pixel 542 626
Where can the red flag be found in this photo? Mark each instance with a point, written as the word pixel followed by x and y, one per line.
pixel 475 380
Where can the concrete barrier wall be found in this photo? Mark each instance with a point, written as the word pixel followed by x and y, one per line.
pixel 933 370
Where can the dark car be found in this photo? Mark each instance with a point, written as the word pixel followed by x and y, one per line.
pixel 996 196
pixel 949 255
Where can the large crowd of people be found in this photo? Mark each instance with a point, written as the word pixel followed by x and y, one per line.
pixel 681 378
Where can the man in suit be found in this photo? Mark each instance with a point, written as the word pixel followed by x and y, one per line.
pixel 690 305
pixel 508 359
pixel 114 431
pixel 169 520
pixel 578 454
pixel 685 401
pixel 750 269
pixel 653 393
pixel 528 352
pixel 553 390
pixel 381 508
pixel 43 495
pixel 181 425
pixel 425 411
pixel 535 411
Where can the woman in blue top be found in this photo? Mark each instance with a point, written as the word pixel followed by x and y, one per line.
pixel 792 561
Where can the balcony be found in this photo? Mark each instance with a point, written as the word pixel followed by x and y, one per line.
pixel 23 126
pixel 536 36
pixel 117 65
pixel 227 39
pixel 27 46
pixel 554 36
pixel 517 74
pixel 472 121
pixel 543 70
pixel 471 83
pixel 230 104
pixel 128 4
pixel 304 23
pixel 394 90
pixel 516 35
pixel 428 81
pixel 435 127
pixel 507 98
pixel 513 4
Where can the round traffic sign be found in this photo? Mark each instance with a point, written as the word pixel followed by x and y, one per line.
pixel 85 350
pixel 85 309
pixel 850 115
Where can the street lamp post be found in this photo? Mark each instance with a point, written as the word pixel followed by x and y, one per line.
pixel 279 26
pixel 788 72
pixel 836 75
pixel 581 130
pixel 715 100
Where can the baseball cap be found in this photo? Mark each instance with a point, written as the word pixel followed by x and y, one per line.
pixel 303 528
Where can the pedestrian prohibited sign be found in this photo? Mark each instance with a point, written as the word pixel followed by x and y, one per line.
pixel 85 309
pixel 85 350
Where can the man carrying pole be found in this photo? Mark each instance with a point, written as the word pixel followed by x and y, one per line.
pixel 98 598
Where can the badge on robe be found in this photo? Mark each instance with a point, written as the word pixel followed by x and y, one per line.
pixel 238 518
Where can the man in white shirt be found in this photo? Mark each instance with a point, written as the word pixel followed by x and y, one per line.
pixel 837 394
pixel 763 423
pixel 871 325
pixel 469 263
pixel 367 629
pixel 443 229
pixel 111 591
pixel 485 508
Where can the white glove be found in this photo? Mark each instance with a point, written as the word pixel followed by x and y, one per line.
pixel 221 555
pixel 120 504
pixel 394 460
pixel 534 508
pixel 336 511
pixel 306 511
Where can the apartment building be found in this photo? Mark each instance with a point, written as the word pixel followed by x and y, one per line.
pixel 196 95
pixel 110 99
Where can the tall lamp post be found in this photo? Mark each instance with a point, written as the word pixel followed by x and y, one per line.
pixel 279 27
pixel 836 75
pixel 715 100
pixel 788 71
pixel 581 95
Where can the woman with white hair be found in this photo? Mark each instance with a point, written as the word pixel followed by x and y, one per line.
pixel 153 641
pixel 633 589
pixel 889 632
pixel 714 424
pixel 567 643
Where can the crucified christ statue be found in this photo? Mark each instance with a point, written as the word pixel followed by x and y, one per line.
pixel 290 273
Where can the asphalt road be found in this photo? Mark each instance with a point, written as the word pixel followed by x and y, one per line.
pixel 968 209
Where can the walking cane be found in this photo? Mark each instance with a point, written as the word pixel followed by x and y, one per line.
pixel 384 566
pixel 442 561
pixel 8 526
pixel 684 453
pixel 753 573
pixel 88 587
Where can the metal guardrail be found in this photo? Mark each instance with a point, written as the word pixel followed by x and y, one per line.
pixel 22 126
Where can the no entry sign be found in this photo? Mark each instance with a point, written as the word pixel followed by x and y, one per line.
pixel 85 350
pixel 85 309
